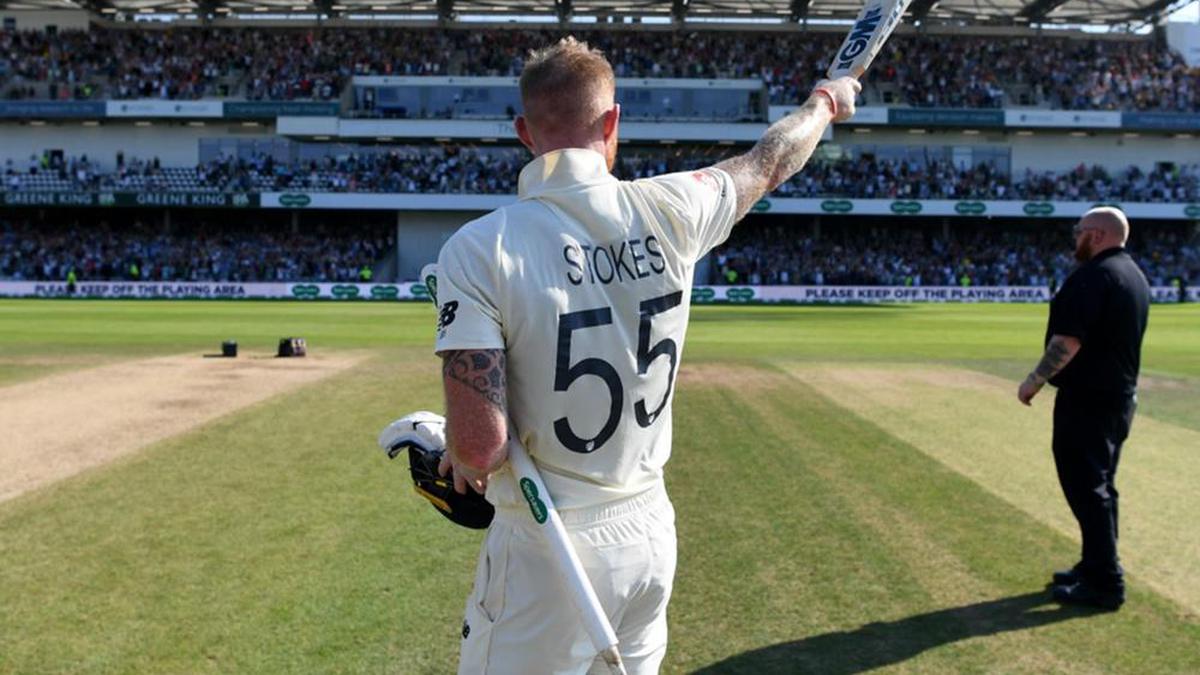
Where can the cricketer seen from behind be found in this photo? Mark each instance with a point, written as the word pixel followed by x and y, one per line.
pixel 561 322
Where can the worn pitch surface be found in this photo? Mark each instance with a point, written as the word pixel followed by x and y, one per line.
pixel 59 425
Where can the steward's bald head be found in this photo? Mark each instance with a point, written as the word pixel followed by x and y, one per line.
pixel 1109 220
pixel 566 89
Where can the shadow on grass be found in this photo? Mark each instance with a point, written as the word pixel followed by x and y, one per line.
pixel 880 644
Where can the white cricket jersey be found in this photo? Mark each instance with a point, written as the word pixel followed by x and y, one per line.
pixel 586 283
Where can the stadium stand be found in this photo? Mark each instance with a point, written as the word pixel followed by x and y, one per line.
pixel 759 253
pixel 465 169
pixel 316 64
pixel 209 249
pixel 965 255
pixel 1125 158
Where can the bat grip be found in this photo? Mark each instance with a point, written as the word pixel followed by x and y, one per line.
pixel 835 73
pixel 833 106
pixel 613 658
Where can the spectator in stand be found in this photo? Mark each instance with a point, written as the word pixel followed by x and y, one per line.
pixel 893 255
pixel 317 62
pixel 906 256
pixel 213 252
pixel 451 169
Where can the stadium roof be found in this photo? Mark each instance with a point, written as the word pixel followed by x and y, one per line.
pixel 973 12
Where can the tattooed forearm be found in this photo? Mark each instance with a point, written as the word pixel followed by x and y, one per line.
pixel 1059 353
pixel 1052 361
pixel 481 369
pixel 779 154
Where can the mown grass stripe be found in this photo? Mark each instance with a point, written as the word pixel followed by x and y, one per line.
pixel 815 458
pixel 766 549
pixel 972 423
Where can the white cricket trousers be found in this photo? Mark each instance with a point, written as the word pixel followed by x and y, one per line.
pixel 520 620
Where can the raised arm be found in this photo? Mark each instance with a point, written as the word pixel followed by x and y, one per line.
pixel 787 144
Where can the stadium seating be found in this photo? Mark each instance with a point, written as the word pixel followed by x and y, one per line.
pixel 321 64
pixel 316 64
pixel 213 250
pixel 904 255
pixel 210 250
pixel 454 169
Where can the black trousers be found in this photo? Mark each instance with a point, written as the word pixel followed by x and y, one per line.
pixel 1089 429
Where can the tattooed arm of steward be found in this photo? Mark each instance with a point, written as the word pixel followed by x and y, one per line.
pixel 1059 352
pixel 476 408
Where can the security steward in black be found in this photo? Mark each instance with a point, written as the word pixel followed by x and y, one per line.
pixel 1093 352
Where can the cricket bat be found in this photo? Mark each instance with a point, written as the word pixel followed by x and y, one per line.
pixel 875 23
pixel 541 507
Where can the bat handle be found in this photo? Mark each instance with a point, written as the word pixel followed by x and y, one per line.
pixel 833 74
pixel 613 658
pixel 578 586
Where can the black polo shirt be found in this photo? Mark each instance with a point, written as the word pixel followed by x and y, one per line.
pixel 1104 303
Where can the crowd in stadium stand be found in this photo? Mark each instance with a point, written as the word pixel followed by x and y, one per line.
pixel 448 169
pixel 451 169
pixel 757 253
pixel 212 252
pixel 316 63
pixel 934 179
pixel 900 256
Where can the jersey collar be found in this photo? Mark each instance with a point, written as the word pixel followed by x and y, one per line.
pixel 1106 253
pixel 561 170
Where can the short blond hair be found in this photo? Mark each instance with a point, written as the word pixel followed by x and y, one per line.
pixel 567 86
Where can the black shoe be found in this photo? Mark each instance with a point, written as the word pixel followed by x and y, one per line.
pixel 1066 577
pixel 1083 593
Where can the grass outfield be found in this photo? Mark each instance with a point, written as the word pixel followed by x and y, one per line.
pixel 856 487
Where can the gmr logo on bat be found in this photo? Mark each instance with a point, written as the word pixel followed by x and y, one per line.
pixel 857 42
pixel 536 505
